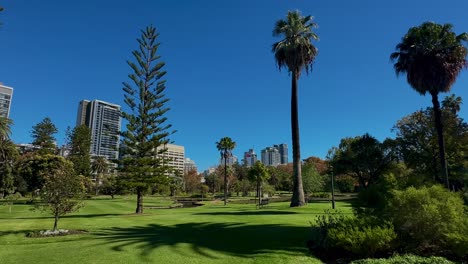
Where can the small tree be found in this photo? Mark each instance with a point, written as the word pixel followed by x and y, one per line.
pixel 62 191
pixel 258 173
pixel 109 185
pixel 99 167
pixel 43 136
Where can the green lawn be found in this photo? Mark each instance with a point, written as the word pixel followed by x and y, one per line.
pixel 212 233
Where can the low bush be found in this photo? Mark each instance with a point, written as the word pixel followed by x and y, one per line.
pixel 430 221
pixel 345 183
pixel 406 259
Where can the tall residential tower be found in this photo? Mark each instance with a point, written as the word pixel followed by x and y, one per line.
pixel 6 93
pixel 103 119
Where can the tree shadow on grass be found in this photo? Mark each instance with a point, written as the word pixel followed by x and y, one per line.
pixel 250 212
pixel 62 217
pixel 236 239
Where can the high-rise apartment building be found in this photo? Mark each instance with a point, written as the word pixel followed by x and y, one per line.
pixel 271 156
pixel 250 157
pixel 175 157
pixel 6 94
pixel 230 160
pixel 283 150
pixel 103 119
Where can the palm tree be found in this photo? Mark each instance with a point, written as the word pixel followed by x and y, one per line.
pixel 99 166
pixel 453 103
pixel 225 146
pixel 296 53
pixel 432 56
pixel 5 127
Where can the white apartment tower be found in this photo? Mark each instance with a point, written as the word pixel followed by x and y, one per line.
pixel 175 156
pixel 6 94
pixel 103 119
pixel 250 158
pixel 271 156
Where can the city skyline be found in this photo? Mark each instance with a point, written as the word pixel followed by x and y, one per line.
pixel 235 89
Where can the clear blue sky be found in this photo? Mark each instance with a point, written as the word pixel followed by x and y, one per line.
pixel 221 80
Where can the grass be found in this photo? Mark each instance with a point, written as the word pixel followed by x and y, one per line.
pixel 213 233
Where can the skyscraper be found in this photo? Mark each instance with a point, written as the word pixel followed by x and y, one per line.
pixel 283 150
pixel 271 156
pixel 189 165
pixel 250 157
pixel 175 156
pixel 103 119
pixel 6 93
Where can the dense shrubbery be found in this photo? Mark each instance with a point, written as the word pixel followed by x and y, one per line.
pixel 345 183
pixel 430 220
pixel 426 221
pixel 407 259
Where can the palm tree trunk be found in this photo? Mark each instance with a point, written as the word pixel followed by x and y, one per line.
pixel 298 191
pixel 225 178
pixel 139 208
pixel 440 137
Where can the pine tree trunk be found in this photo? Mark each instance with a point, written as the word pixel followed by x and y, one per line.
pixel 225 178
pixel 298 191
pixel 139 208
pixel 440 137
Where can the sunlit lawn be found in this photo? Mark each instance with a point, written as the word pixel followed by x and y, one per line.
pixel 238 233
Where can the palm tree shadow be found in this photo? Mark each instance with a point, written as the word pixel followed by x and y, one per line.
pixel 236 239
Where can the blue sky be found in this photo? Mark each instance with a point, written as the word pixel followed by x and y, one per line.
pixel 221 76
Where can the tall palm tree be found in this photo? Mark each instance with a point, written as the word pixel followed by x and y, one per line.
pixel 296 53
pixel 225 147
pixel 5 127
pixel 432 56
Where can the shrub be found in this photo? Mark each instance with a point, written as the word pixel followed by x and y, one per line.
pixel 430 220
pixel 407 259
pixel 361 237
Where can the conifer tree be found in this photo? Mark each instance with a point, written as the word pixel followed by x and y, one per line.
pixel 80 144
pixel 43 136
pixel 147 131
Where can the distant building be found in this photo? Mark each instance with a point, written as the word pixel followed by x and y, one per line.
pixel 209 171
pixel 175 156
pixel 283 150
pixel 26 148
pixel 6 94
pixel 65 151
pixel 271 156
pixel 250 157
pixel 189 165
pixel 103 119
pixel 230 160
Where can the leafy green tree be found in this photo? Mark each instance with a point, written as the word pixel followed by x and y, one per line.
pixel 312 180
pixel 80 143
pixel 62 190
pixel 416 144
pixel 8 155
pixel 225 146
pixel 43 136
pixel 110 185
pixel 362 157
pixel 258 173
pixel 147 131
pixel 432 56
pixel 296 53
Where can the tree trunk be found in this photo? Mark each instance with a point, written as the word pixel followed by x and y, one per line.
pixel 298 191
pixel 258 194
pixel 139 208
pixel 225 177
pixel 440 137
pixel 56 222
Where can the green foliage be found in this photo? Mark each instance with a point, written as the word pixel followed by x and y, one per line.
pixel 80 143
pixel 345 183
pixel 43 136
pixel 147 131
pixel 312 181
pixel 406 259
pixel 62 190
pixel 258 174
pixel 362 157
pixel 362 238
pixel 109 185
pixel 430 220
